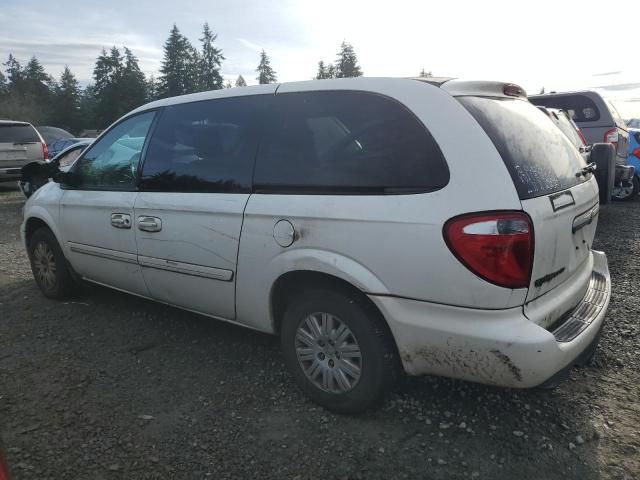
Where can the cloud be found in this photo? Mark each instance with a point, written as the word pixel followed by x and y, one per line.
pixel 606 74
pixel 619 86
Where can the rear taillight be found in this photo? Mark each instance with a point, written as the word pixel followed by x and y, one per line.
pixel 636 152
pixel 45 151
pixel 611 137
pixel 495 246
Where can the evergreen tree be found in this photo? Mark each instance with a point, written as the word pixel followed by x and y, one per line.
pixel 179 66
pixel 347 62
pixel 228 84
pixel 132 84
pixel 152 89
pixel 266 74
pixel 322 71
pixel 331 71
pixel 210 61
pixel 3 84
pixel 107 74
pixel 66 113
pixel 14 73
pixel 88 105
pixel 240 82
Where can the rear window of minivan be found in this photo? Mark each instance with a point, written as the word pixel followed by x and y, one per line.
pixel 580 107
pixel 539 157
pixel 13 133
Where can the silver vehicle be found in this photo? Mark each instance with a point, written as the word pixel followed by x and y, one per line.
pixel 347 217
pixel 20 143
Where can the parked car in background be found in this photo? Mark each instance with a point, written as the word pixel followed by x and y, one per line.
pixel 32 177
pixel 634 157
pixel 52 134
pixel 600 122
pixel 345 216
pixel 20 143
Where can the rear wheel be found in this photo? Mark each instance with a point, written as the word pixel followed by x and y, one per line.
pixel 338 350
pixel 49 266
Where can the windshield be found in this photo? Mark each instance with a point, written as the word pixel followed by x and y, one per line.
pixel 539 157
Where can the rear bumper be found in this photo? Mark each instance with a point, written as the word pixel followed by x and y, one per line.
pixel 497 347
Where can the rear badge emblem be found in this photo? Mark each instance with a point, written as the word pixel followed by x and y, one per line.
pixel 562 200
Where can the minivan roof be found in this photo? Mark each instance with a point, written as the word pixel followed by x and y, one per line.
pixel 453 86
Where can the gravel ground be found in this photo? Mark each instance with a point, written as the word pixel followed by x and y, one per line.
pixel 110 386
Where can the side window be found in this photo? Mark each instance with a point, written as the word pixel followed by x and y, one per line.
pixel 347 142
pixel 111 163
pixel 206 146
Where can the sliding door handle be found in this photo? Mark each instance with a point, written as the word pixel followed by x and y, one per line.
pixel 120 220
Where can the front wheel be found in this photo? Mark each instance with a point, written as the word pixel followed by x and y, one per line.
pixel 338 350
pixel 49 266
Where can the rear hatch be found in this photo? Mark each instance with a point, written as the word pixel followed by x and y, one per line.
pixel 19 144
pixel 547 172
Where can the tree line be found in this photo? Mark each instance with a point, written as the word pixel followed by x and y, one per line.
pixel 118 85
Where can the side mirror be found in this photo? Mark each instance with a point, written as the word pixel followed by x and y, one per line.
pixel 66 179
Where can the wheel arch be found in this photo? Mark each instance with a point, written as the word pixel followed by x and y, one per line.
pixel 288 284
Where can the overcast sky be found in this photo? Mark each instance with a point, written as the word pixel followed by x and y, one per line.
pixel 557 44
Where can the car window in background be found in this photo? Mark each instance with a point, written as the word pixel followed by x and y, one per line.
pixel 347 142
pixel 580 107
pixel 206 146
pixel 69 157
pixel 111 163
pixel 18 134
pixel 539 157
pixel 53 134
pixel 637 136
pixel 616 116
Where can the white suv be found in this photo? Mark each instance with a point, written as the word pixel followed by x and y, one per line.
pixel 444 227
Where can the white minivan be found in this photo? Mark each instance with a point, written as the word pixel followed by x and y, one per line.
pixel 442 227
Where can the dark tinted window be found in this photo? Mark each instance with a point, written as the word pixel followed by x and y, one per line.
pixel 18 134
pixel 207 146
pixel 539 157
pixel 580 107
pixel 637 136
pixel 347 142
pixel 111 163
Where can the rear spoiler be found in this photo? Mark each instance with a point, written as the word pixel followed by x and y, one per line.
pixel 480 88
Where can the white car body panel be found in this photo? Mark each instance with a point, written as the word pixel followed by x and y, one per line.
pixel 191 262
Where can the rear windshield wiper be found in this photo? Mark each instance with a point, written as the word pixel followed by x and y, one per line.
pixel 590 168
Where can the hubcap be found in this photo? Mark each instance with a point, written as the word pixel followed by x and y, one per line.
pixel 328 353
pixel 623 191
pixel 44 265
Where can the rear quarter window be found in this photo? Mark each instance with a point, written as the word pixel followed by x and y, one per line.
pixel 580 107
pixel 346 142
pixel 539 157
pixel 18 134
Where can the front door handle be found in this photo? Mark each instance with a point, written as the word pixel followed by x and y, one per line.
pixel 149 224
pixel 121 220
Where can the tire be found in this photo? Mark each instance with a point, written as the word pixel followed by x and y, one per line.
pixel 49 266
pixel 628 193
pixel 378 361
pixel 604 156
